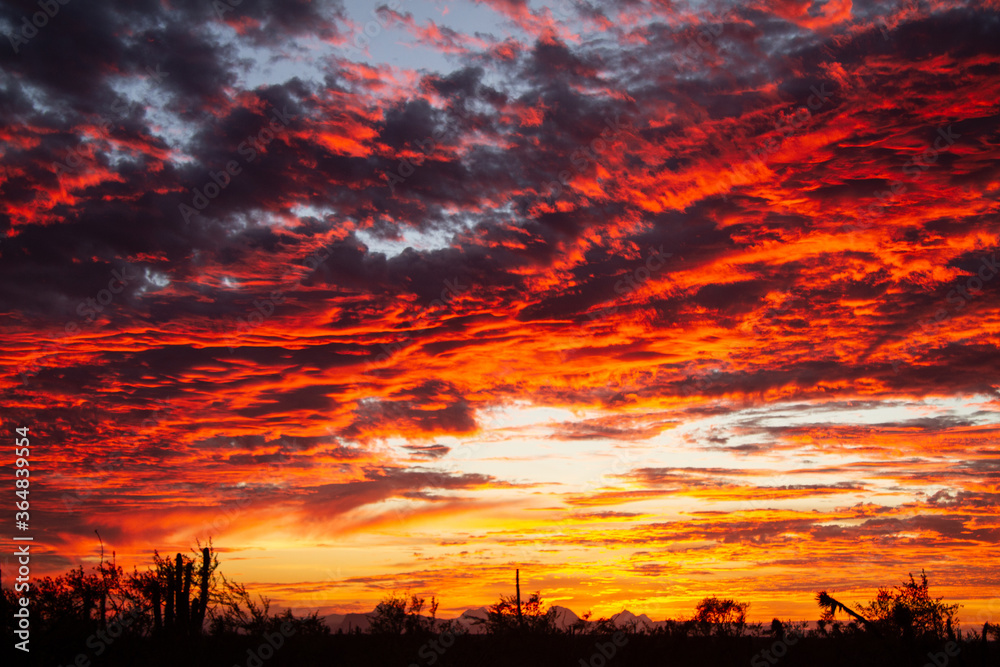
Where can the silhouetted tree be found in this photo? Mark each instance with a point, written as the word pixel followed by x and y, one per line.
pixel 502 616
pixel 8 603
pixel 389 617
pixel 603 626
pixel 397 614
pixel 831 606
pixel 237 612
pixel 310 625
pixel 580 625
pixel 67 600
pixel 909 611
pixel 415 622
pixel 726 616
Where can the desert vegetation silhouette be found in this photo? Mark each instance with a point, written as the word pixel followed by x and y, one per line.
pixel 181 609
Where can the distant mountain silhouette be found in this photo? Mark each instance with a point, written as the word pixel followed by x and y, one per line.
pixel 349 622
pixel 472 620
pixel 565 617
pixel 626 619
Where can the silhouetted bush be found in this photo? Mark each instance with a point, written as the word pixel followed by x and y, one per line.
pixel 909 611
pixel 502 616
pixel 724 617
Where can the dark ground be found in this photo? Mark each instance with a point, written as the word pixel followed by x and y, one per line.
pixel 512 651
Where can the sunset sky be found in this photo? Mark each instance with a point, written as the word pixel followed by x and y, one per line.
pixel 652 300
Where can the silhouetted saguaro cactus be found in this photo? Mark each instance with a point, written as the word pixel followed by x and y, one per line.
pixel 201 604
pixel 517 583
pixel 183 585
pixel 176 612
pixel 154 595
pixel 180 612
pixel 184 618
pixel 168 611
pixel 104 589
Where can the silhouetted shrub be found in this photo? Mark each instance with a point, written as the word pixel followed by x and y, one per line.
pixel 726 617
